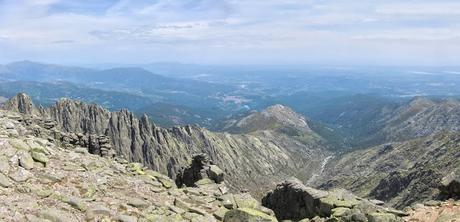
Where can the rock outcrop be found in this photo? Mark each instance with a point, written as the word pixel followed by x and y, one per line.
pixel 40 180
pixel 21 103
pixel 200 171
pixel 253 162
pixel 291 200
pixel 450 185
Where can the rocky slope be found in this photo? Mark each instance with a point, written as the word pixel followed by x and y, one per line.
pixel 42 181
pixel 282 122
pixel 254 162
pixel 418 118
pixel 46 175
pixel 399 173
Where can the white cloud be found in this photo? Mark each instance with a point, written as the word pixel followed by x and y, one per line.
pixel 431 8
pixel 232 30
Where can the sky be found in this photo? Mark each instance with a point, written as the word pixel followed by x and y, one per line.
pixel 340 32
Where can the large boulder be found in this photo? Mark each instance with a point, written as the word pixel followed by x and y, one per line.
pixel 291 200
pixel 200 171
pixel 247 215
pixel 294 201
pixel 450 185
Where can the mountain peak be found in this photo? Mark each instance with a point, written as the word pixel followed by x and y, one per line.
pixel 271 118
pixel 285 115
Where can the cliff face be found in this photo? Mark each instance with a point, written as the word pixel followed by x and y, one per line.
pixel 254 162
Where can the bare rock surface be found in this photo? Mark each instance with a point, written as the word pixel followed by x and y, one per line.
pixel 40 180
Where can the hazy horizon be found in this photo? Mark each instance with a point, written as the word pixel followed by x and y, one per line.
pixel 235 32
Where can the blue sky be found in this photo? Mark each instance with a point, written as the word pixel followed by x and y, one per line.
pixel 340 32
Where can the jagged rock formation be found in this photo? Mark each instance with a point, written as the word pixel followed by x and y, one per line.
pixel 400 173
pixel 253 162
pixel 291 200
pixel 21 103
pixel 42 181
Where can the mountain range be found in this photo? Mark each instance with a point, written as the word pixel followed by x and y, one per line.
pixel 389 150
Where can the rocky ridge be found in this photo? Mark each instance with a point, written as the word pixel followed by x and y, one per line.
pixel 254 162
pixel 401 173
pixel 42 181
pixel 418 118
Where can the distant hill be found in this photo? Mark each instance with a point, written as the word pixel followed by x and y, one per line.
pixel 421 117
pixel 47 93
pixel 272 118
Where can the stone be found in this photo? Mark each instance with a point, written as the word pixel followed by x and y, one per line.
pixel 340 212
pixel 126 218
pixel 26 161
pixel 433 203
pixel 81 150
pixel 358 217
pixel 40 157
pixel 219 214
pixel 19 144
pixel 204 181
pixel 138 203
pixel 21 175
pixel 181 204
pixel 50 178
pixel 382 217
pixel 44 193
pixel 166 183
pixel 4 165
pixel 245 200
pixel 4 181
pixel 377 202
pixel 247 215
pixel 216 174
pixel 228 201
pixel 98 211
pixel 398 213
pixel 76 203
pixel 55 215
